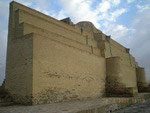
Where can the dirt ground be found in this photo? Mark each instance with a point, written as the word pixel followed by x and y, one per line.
pixel 76 106
pixel 65 107
pixel 137 108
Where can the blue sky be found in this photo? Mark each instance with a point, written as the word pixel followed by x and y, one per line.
pixel 127 21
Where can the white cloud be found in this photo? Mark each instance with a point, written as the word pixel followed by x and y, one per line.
pixel 142 8
pixel 140 44
pixel 104 6
pixel 115 30
pixel 80 10
pixel 116 2
pixel 112 16
pixel 116 14
pixel 60 15
pixel 130 1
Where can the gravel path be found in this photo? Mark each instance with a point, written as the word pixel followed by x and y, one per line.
pixel 137 108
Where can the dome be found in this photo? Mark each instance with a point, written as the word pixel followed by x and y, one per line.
pixel 88 26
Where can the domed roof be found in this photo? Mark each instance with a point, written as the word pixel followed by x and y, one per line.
pixel 88 26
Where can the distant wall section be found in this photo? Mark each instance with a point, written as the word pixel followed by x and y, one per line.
pixel 141 78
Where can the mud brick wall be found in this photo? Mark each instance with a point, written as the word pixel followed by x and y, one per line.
pixel 50 61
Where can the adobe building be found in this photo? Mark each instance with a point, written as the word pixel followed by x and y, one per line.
pixel 52 61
